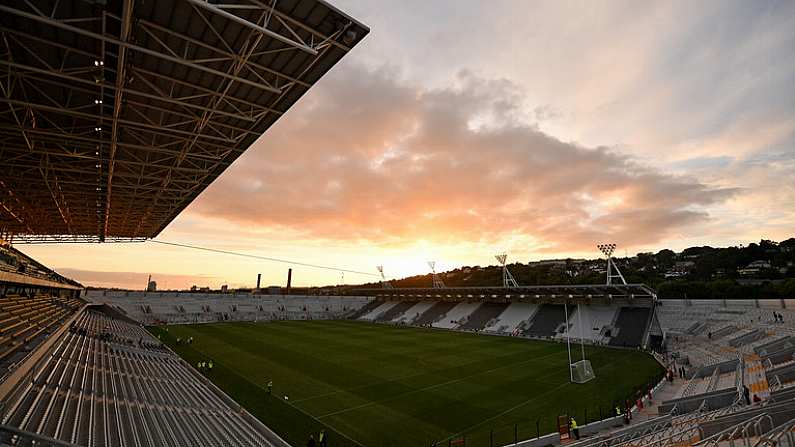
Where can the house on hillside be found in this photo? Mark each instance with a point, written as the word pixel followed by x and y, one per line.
pixel 755 267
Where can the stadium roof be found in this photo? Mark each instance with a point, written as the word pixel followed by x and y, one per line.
pixel 114 116
pixel 528 292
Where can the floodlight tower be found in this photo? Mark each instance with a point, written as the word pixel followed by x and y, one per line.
pixel 384 283
pixel 507 278
pixel 607 250
pixel 437 282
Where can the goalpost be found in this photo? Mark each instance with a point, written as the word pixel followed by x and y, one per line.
pixel 580 371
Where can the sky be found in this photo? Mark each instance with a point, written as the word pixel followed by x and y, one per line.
pixel 460 129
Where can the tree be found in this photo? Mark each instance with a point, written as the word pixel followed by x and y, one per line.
pixel 665 258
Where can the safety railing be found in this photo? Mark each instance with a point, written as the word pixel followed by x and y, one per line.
pixel 743 431
pixel 783 435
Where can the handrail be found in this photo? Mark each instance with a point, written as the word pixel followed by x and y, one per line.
pixel 732 432
pixel 773 437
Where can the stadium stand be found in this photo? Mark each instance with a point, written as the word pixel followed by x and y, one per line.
pixel 435 313
pixel 134 383
pixel 484 315
pixel 547 320
pixel 185 307
pixel 367 308
pixel 375 313
pixel 108 382
pixel 18 269
pixel 396 311
pixel 591 322
pixel 515 316
pixel 631 325
pixel 23 319
pixel 456 316
pixel 414 312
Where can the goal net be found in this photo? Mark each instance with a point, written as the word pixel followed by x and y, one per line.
pixel 582 371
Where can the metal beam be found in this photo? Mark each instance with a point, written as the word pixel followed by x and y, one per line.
pixel 90 116
pixel 260 29
pixel 121 80
pixel 136 48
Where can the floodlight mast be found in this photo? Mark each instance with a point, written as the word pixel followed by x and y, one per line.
pixel 384 283
pixel 507 278
pixel 437 282
pixel 607 250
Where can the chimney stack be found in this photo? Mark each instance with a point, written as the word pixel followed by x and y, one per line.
pixel 259 277
pixel 289 280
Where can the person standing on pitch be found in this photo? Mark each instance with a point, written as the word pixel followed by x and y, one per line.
pixel 270 386
pixel 322 439
pixel 311 442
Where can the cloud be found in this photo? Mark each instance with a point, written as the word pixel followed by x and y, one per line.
pixel 367 157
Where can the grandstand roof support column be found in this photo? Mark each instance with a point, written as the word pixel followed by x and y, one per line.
pixel 121 80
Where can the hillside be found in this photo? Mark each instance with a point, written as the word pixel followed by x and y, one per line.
pixel 766 268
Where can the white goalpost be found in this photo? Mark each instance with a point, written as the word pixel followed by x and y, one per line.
pixel 580 371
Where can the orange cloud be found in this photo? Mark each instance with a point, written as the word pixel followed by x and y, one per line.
pixel 368 158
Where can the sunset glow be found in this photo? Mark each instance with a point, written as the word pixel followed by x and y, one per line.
pixel 550 127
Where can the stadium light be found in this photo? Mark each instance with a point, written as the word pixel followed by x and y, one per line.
pixel 437 282
pixel 384 283
pixel 507 278
pixel 608 250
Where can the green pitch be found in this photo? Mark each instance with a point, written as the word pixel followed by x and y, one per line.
pixel 373 385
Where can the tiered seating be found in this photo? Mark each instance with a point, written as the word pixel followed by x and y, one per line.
pixel 547 321
pixel 456 315
pixel 375 313
pixel 108 383
pixel 514 316
pixel 367 308
pixel 183 307
pixel 631 324
pixel 23 319
pixel 747 337
pixel 396 311
pixel 414 312
pixel 435 313
pixel 724 331
pixel 483 315
pixel 590 322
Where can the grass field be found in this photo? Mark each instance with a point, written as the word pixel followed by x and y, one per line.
pixel 373 385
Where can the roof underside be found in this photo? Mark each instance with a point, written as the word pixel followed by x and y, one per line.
pixel 114 116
